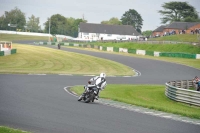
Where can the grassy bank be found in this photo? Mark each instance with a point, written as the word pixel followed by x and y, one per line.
pixel 36 59
pixel 183 48
pixel 10 130
pixel 15 37
pixel 195 63
pixel 178 37
pixel 149 96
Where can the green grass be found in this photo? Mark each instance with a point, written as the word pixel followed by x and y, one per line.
pixel 184 48
pixel 192 88
pixel 195 63
pixel 149 96
pixel 36 59
pixel 178 37
pixel 10 130
pixel 14 37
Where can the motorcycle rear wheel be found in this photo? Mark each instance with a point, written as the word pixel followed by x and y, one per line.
pixel 88 98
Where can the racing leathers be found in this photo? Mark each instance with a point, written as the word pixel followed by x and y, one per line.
pixel 100 83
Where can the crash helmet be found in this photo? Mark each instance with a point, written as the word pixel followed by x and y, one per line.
pixel 102 75
pixel 196 78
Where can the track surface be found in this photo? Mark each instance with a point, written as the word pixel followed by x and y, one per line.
pixel 38 103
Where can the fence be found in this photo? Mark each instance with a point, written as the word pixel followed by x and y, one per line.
pixel 179 91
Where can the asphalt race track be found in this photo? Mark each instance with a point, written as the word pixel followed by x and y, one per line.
pixel 39 103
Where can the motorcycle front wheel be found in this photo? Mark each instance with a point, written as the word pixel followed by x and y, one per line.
pixel 80 98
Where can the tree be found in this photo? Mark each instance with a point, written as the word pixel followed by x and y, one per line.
pixel 57 24
pixel 147 33
pixel 33 24
pixel 191 19
pixel 178 11
pixel 132 17
pixel 2 22
pixel 13 17
pixel 72 26
pixel 112 21
pixel 64 26
pixel 76 25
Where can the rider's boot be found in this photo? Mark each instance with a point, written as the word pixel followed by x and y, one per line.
pixel 96 95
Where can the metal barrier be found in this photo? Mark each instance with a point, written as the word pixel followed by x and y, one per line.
pixel 179 91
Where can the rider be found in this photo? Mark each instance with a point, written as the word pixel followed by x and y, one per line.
pixel 100 83
pixel 58 45
pixel 197 81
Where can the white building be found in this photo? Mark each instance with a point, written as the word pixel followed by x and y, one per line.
pixel 89 31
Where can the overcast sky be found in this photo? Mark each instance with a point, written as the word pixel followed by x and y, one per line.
pixel 94 11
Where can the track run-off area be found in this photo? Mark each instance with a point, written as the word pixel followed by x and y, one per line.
pixel 42 103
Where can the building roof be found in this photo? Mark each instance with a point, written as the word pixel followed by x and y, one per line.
pixel 160 29
pixel 108 29
pixel 181 25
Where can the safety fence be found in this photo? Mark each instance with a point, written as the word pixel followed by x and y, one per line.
pixel 179 91
pixel 125 50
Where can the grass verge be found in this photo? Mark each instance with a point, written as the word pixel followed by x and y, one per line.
pixel 195 63
pixel 178 37
pixel 10 130
pixel 37 59
pixel 15 37
pixel 149 96
pixel 182 48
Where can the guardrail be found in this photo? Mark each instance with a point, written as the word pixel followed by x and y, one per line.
pixel 179 91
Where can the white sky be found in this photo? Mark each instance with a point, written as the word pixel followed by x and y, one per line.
pixel 94 11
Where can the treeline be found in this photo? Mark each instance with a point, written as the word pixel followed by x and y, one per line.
pixel 15 20
pixel 63 26
pixel 58 24
pixel 172 12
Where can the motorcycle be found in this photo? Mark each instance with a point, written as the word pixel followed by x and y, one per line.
pixel 58 46
pixel 89 93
